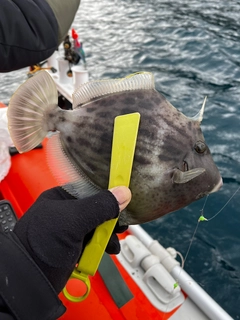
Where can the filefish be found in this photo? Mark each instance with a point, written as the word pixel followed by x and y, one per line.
pixel 172 165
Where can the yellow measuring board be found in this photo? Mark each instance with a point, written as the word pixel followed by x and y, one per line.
pixel 123 149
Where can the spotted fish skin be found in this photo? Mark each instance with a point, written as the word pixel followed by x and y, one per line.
pixel 168 143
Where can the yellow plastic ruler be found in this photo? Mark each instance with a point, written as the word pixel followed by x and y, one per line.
pixel 123 149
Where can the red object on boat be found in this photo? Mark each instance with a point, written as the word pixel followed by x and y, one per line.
pixel 74 34
pixel 2 105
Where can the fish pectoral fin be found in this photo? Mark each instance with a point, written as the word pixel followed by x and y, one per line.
pixel 183 177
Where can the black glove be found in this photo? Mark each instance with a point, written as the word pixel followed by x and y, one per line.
pixel 56 228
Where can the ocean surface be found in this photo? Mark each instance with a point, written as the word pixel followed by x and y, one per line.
pixel 193 50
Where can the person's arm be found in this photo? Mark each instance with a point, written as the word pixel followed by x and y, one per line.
pixel 44 247
pixel 25 292
pixel 30 31
pixel 4 312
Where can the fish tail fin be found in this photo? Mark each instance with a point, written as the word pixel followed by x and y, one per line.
pixel 27 109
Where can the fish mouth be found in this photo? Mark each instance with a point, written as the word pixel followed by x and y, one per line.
pixel 217 186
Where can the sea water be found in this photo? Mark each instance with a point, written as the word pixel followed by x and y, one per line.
pixel 193 50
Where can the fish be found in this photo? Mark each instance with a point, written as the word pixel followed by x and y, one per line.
pixel 172 164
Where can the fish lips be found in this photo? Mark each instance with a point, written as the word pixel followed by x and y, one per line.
pixel 217 186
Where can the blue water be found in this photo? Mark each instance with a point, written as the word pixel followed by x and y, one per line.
pixel 192 48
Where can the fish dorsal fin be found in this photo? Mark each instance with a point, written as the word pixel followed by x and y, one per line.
pixel 96 89
pixel 72 179
pixel 199 116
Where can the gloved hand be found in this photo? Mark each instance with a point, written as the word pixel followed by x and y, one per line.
pixel 57 226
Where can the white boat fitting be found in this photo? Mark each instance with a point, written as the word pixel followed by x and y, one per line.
pixel 195 293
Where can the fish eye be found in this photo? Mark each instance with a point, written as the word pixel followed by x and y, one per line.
pixel 200 147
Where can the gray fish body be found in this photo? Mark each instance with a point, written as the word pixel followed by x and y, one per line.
pixel 172 165
pixel 166 141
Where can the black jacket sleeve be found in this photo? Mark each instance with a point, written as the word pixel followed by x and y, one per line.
pixel 24 289
pixel 5 314
pixel 28 33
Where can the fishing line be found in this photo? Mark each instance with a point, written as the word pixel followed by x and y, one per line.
pixel 224 205
pixel 195 231
pixel 202 218
pixel 190 245
pixel 183 259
